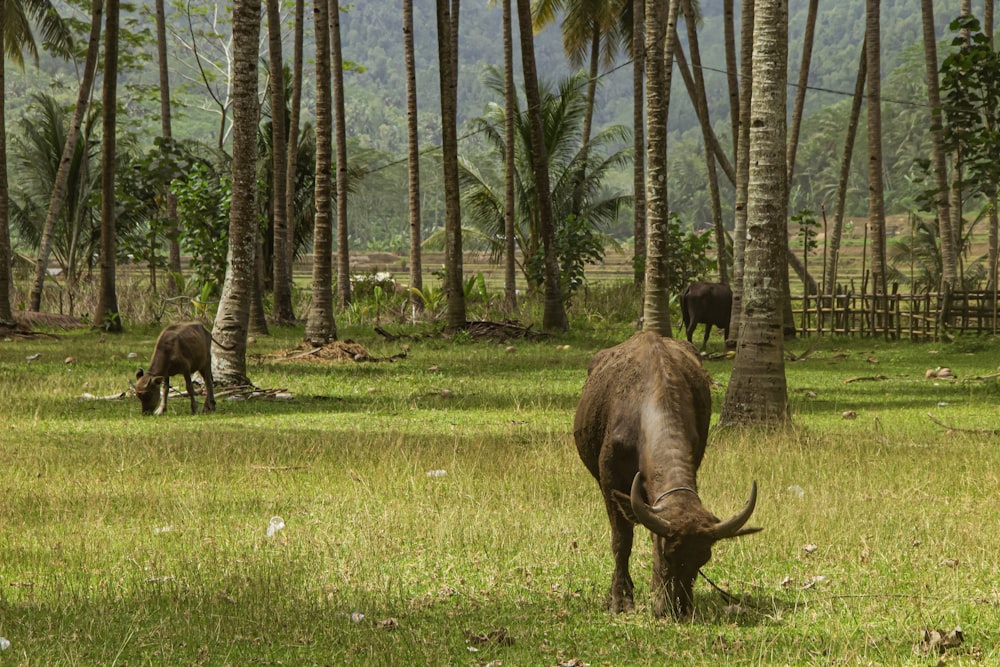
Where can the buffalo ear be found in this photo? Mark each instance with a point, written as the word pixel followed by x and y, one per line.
pixel 624 503
pixel 139 373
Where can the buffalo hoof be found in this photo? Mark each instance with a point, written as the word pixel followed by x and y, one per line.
pixel 621 603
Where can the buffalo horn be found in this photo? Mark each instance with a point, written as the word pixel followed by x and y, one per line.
pixel 644 513
pixel 733 527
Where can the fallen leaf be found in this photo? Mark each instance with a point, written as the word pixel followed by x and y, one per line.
pixel 500 636
pixel 938 641
pixel 849 414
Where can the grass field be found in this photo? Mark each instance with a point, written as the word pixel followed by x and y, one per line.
pixel 131 540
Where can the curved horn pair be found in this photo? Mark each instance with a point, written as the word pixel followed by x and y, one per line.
pixel 732 527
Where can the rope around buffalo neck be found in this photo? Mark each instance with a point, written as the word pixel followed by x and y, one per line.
pixel 676 489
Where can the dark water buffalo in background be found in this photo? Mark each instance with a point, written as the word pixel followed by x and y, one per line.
pixel 708 304
pixel 181 349
pixel 641 428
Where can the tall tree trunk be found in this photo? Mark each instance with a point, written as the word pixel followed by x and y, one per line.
pixel 510 172
pixel 232 320
pixel 701 102
pixel 554 316
pixel 166 131
pixel 692 89
pixel 758 393
pixel 58 198
pixel 638 142
pixel 282 271
pixel 320 325
pixel 291 212
pixel 949 255
pixel 447 25
pixel 833 240
pixel 340 142
pixel 661 30
pixel 876 199
pixel 800 90
pixel 413 156
pixel 742 159
pixel 732 72
pixel 994 219
pixel 6 252
pixel 107 315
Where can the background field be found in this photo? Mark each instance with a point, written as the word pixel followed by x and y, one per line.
pixel 132 540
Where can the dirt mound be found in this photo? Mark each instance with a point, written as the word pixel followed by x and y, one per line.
pixel 28 320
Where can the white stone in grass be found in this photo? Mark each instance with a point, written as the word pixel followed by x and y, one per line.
pixel 276 524
pixel 437 473
pixel 4 643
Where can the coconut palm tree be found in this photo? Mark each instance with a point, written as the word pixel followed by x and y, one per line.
pixel 413 153
pixel 232 320
pixel 281 267
pixel 578 173
pixel 16 39
pixel 340 145
pixel 758 393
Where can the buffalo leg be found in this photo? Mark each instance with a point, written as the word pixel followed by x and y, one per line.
pixel 708 330
pixel 190 389
pixel 163 398
pixel 691 326
pixel 206 375
pixel 620 597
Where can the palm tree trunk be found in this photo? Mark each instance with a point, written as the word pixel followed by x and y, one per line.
pixel 173 244
pixel 758 393
pixel 701 102
pixel 800 90
pixel 994 219
pixel 742 174
pixel 661 30
pixel 232 320
pixel 107 315
pixel 58 198
pixel 833 240
pixel 713 141
pixel 6 253
pixel 510 169
pixel 639 142
pixel 413 156
pixel 554 315
pixel 447 24
pixel 732 72
pixel 340 141
pixel 949 261
pixel 320 325
pixel 291 213
pixel 281 270
pixel 876 199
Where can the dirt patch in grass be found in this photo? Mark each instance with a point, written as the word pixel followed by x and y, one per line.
pixel 338 350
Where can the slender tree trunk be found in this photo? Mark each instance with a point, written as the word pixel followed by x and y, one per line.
pixel 447 24
pixel 58 198
pixel 732 72
pixel 661 30
pixel 282 271
pixel 510 170
pixel 692 89
pixel 757 393
pixel 291 212
pixel 949 261
pixel 742 174
pixel 554 316
pixel 340 142
pixel 166 131
pixel 833 240
pixel 876 200
pixel 800 90
pixel 6 252
pixel 232 321
pixel 994 220
pixel 639 142
pixel 107 315
pixel 413 156
pixel 701 102
pixel 320 325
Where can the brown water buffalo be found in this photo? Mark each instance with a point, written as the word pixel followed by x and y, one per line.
pixel 641 429
pixel 708 304
pixel 181 349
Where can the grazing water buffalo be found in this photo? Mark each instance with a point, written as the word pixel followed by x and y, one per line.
pixel 708 304
pixel 181 349
pixel 641 429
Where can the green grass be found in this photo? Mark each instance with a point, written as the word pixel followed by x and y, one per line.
pixel 142 541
